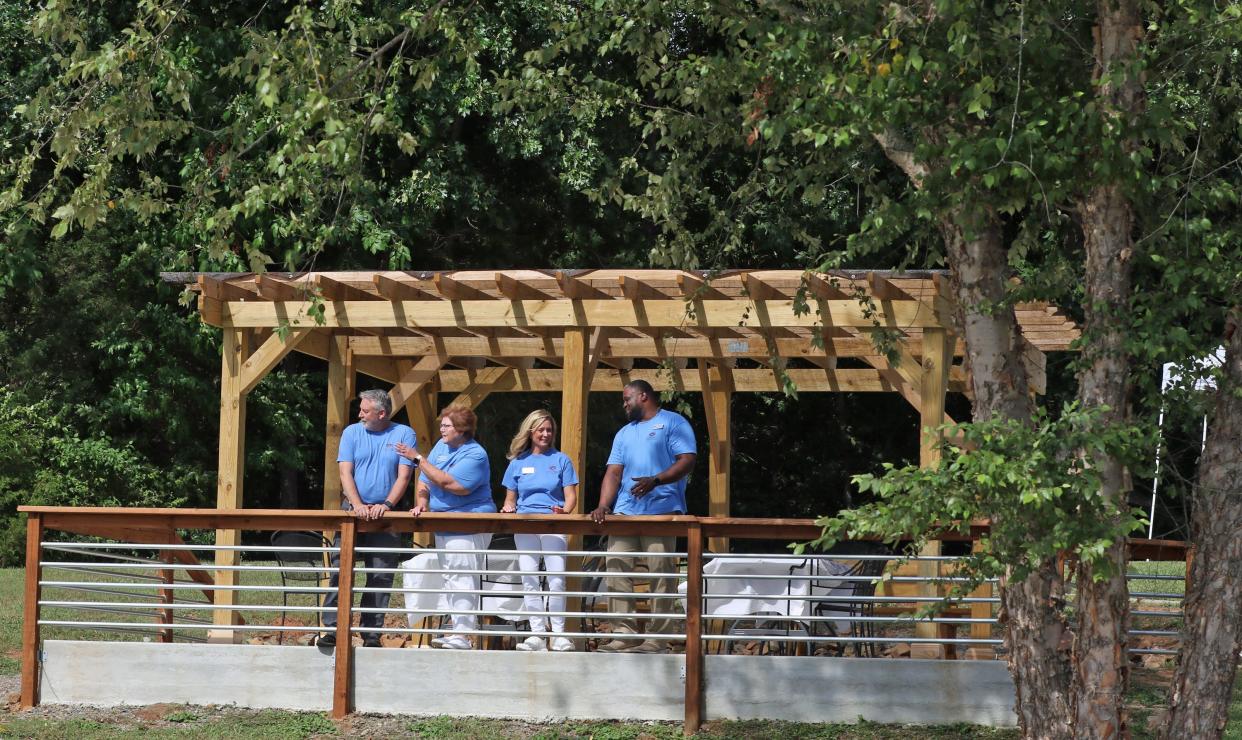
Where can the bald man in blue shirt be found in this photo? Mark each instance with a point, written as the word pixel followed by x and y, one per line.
pixel 647 468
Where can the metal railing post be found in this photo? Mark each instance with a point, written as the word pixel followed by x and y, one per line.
pixel 694 629
pixel 342 677
pixel 30 612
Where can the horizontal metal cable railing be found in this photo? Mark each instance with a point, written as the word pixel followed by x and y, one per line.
pixel 806 626
pixel 152 584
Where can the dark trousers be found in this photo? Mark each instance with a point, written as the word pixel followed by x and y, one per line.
pixel 371 623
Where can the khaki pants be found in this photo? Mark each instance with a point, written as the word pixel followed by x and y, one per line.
pixel 621 561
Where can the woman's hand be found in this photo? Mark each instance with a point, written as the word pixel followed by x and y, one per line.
pixel 557 510
pixel 418 509
pixel 508 510
pixel 409 453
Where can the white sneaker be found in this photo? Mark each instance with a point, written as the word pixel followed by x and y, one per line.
pixel 451 642
pixel 532 644
pixel 562 644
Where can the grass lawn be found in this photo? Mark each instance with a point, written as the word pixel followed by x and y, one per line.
pixel 1147 697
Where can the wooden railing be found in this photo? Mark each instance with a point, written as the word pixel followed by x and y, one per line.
pixel 160 525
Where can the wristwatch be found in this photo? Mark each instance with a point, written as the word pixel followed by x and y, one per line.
pixel 387 504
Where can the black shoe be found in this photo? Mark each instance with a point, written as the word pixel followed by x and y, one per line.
pixel 328 640
pixel 371 642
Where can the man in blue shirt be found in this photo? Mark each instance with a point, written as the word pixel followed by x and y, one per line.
pixel 647 468
pixel 373 481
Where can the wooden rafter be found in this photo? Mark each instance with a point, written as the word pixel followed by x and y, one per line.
pixel 517 318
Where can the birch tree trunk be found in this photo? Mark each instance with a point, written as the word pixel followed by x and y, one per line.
pixel 1036 634
pixel 1212 636
pixel 1100 670
pixel 1035 630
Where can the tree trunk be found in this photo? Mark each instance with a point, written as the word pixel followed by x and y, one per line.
pixel 1212 635
pixel 1035 629
pixel 1100 669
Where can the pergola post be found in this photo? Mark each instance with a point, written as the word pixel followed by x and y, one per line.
pixel 232 464
pixel 420 411
pixel 934 382
pixel 339 385
pixel 574 391
pixel 717 402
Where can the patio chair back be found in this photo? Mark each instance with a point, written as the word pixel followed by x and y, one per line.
pixel 311 555
pixel 863 575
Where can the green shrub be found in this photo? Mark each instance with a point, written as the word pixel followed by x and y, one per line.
pixel 44 462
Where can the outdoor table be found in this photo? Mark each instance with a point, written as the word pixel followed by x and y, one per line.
pixel 506 604
pixel 768 594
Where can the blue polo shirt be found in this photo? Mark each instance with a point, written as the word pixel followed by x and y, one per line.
pixel 468 465
pixel 540 480
pixel 374 457
pixel 644 448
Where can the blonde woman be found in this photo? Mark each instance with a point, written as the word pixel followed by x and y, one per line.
pixel 540 480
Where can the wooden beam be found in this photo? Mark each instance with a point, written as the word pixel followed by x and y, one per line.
pixel 912 394
pixel 483 382
pixel 474 315
pixel 30 612
pixel 696 288
pixel 513 289
pixel 618 347
pixel 456 290
pixel 611 380
pixel 396 290
pixel 573 286
pixel 272 288
pixel 1036 363
pixel 335 290
pixel 575 389
pixel 825 288
pixel 717 389
pixel 342 673
pixel 231 472
pixel 266 357
pixel 694 708
pixel 934 384
pixel 635 289
pixel 338 398
pixel 223 291
pixel 937 356
pixel 883 290
pixel 414 377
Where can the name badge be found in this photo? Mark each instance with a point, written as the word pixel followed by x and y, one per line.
pixel 528 471
pixel 658 426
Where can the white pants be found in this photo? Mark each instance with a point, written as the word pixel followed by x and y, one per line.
pixel 529 565
pixel 457 585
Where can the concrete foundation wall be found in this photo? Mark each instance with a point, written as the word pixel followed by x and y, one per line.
pixel 114 673
pixel 533 686
pixel 821 689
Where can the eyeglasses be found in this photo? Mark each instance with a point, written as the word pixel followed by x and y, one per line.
pixel 446 425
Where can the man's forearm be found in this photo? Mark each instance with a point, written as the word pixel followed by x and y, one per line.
pixel 608 491
pixel 350 491
pixel 680 468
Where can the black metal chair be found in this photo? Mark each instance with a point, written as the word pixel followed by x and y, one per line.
pixel 306 550
pixel 495 622
pixel 860 609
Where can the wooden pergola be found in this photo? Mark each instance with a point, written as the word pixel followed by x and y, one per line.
pixel 474 333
